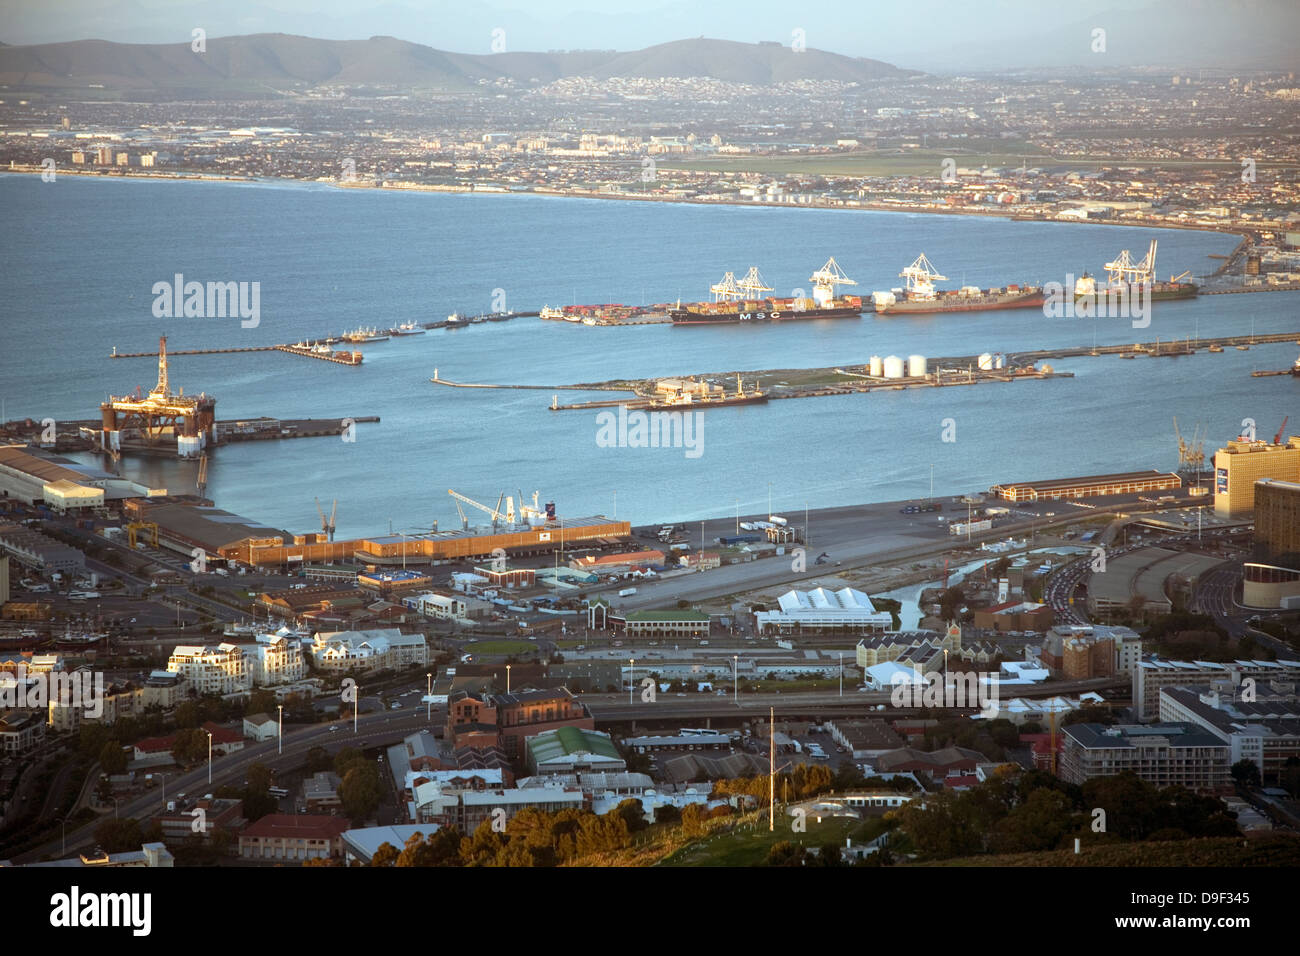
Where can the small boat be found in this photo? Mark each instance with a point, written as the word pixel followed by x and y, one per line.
pixel 548 313
pixel 1129 355
pixel 1215 348
pixel 407 328
pixel 455 320
pixel 1243 348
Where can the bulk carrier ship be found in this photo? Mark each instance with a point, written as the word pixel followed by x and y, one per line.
pixel 737 300
pixel 1124 277
pixel 920 296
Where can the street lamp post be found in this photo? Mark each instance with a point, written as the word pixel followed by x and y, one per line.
pixel 428 696
pixel 631 672
pixel 162 782
pixel 841 673
pixel 209 733
pixel 508 666
pixel 356 709
pixel 735 679
pixel 280 733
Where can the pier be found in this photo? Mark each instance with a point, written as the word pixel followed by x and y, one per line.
pixel 338 358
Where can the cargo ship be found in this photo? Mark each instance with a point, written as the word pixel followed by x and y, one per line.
pixel 919 296
pixel 1124 277
pixel 737 300
pixel 608 313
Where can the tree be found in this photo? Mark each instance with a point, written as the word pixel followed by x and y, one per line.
pixel 346 758
pixel 261 702
pixel 190 746
pixel 693 819
pixel 318 759
pixel 1245 773
pixel 112 758
pixel 119 836
pixel 785 853
pixel 386 855
pixel 359 791
pixel 633 815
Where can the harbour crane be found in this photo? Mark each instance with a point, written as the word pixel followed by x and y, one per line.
pixel 1277 439
pixel 202 483
pixel 327 526
pixel 921 276
pixel 1190 453
pixel 753 284
pixel 464 521
pixel 829 276
pixel 726 290
pixel 496 512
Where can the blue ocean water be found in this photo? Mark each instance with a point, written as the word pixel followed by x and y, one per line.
pixel 81 257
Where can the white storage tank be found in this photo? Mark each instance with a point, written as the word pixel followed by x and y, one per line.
pixel 893 367
pixel 916 366
pixel 999 360
pixel 876 367
pixel 985 362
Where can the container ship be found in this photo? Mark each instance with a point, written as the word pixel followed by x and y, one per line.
pixel 737 300
pixel 608 313
pixel 920 296
pixel 1124 277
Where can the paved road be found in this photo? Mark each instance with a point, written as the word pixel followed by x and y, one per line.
pixel 372 730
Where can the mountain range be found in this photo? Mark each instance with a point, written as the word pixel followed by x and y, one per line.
pixel 279 62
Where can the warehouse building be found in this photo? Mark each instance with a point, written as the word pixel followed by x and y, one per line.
pixel 820 611
pixel 1056 489
pixel 32 476
pixel 39 551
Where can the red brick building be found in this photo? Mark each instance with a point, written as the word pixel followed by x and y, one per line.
pixel 289 837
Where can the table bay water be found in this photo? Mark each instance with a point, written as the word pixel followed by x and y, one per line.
pixel 81 258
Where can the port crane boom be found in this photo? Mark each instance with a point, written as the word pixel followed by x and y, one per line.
pixel 327 524
pixel 495 513
pixel 753 283
pixel 726 290
pixel 829 276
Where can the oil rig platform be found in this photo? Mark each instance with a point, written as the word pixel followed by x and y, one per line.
pixel 159 416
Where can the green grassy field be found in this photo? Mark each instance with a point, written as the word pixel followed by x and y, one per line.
pixel 751 841
pixel 488 648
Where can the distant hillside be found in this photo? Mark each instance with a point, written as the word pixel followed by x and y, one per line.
pixel 275 61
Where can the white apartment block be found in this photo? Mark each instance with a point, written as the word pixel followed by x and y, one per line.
pixel 368 650
pixel 276 659
pixel 212 670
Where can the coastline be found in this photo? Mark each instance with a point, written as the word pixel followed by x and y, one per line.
pixel 1242 232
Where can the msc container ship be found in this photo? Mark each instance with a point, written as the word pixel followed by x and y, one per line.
pixel 920 296
pixel 737 301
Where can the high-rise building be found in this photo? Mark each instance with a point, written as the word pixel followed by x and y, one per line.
pixel 1277 522
pixel 1241 463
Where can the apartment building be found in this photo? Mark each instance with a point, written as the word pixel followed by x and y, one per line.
pixel 212 670
pixel 1164 754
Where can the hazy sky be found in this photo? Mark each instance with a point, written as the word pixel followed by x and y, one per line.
pixel 936 35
